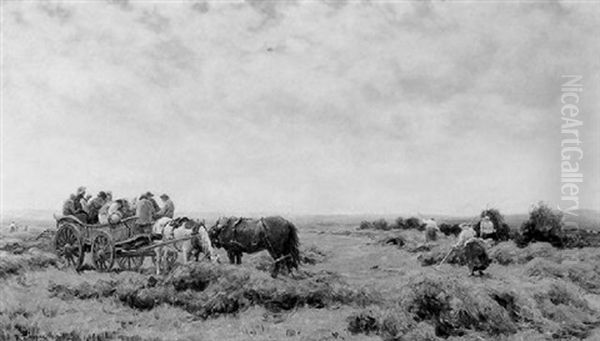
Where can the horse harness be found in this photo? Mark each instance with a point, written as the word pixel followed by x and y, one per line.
pixel 262 233
pixel 180 222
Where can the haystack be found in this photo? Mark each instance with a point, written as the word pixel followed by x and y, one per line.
pixel 208 290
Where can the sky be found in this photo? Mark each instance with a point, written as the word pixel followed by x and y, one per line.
pixel 305 107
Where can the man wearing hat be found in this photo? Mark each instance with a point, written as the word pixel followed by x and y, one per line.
pixel 150 197
pixel 79 198
pixel 72 206
pixel 94 207
pixel 168 209
pixel 145 212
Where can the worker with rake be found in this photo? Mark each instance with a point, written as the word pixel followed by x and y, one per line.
pixel 472 248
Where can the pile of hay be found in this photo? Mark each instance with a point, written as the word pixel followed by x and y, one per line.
pixel 438 306
pixel 435 306
pixel 507 253
pixel 562 312
pixel 544 225
pixel 453 307
pixel 312 255
pixel 83 291
pixel 585 275
pixel 31 259
pixel 390 324
pixel 208 290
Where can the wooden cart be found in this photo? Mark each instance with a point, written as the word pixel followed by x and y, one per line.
pixel 107 243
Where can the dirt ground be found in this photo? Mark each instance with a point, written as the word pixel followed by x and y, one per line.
pixel 28 309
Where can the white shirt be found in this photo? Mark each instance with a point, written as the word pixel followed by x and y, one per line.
pixel 486 226
pixel 464 236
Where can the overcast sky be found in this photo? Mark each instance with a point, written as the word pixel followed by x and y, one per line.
pixel 298 106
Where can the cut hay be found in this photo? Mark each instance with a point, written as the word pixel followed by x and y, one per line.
pixel 208 290
pixel 312 255
pixel 435 306
pixel 507 253
pixel 32 259
pixel 585 275
pixel 436 255
pixel 454 308
pixel 391 324
pixel 398 241
pixel 308 256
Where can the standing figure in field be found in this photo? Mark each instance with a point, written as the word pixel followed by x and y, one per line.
pixel 473 249
pixel 168 209
pixel 486 228
pixel 275 234
pixel 181 228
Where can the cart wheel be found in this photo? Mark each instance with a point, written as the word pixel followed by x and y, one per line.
pixel 103 252
pixel 132 263
pixel 69 246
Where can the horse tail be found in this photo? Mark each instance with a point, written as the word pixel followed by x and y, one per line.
pixel 293 244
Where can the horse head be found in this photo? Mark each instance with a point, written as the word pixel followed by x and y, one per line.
pixel 214 232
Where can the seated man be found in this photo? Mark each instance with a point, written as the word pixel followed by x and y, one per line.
pixel 168 209
pixel 73 207
pixel 103 212
pixel 117 211
pixel 94 207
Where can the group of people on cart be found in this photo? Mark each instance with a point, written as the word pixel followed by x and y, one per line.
pixel 102 209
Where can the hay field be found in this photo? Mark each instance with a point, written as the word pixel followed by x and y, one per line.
pixel 352 286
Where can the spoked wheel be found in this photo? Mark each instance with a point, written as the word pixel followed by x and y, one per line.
pixel 131 263
pixel 69 246
pixel 103 251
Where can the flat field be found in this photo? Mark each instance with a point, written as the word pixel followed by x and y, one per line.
pixel 353 285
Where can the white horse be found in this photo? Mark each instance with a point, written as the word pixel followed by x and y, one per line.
pixel 196 239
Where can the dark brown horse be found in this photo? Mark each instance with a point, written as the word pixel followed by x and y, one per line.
pixel 275 234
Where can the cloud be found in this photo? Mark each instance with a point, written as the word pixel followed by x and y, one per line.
pixel 309 106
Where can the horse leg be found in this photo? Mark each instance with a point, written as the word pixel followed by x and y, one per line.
pixel 158 258
pixel 275 270
pixel 238 258
pixel 185 248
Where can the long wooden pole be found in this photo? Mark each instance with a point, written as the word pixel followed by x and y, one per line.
pixel 173 241
pixel 448 255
